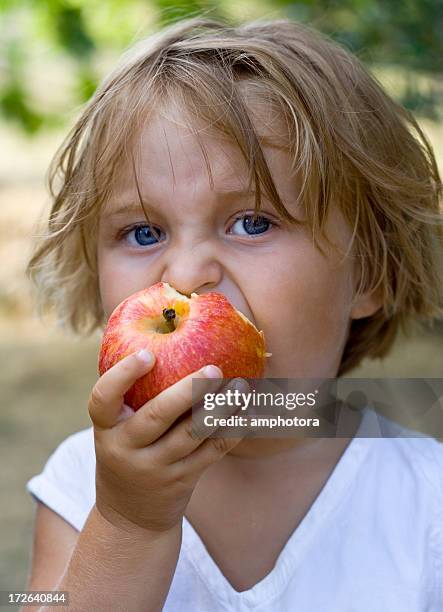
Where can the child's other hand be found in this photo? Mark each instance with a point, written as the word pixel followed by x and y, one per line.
pixel 145 474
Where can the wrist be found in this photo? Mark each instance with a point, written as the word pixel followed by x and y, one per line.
pixel 112 520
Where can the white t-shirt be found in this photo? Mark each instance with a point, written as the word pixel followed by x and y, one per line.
pixel 372 541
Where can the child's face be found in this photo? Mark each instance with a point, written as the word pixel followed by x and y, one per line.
pixel 276 277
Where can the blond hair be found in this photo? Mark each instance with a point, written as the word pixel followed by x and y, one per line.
pixel 351 145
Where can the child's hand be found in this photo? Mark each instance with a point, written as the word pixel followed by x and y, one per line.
pixel 145 474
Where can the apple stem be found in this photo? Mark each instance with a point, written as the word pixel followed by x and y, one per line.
pixel 169 315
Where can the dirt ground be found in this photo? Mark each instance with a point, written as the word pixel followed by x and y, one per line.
pixel 46 377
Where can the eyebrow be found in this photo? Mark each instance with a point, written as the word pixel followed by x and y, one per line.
pixel 136 207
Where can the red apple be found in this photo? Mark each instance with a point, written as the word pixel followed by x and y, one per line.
pixel 184 334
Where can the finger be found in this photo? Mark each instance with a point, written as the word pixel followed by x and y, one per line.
pixel 210 451
pixel 182 439
pixel 156 416
pixel 125 413
pixel 106 399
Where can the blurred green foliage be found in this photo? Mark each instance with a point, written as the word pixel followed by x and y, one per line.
pixel 405 34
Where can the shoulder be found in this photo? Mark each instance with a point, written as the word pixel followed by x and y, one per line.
pixel 405 454
pixel 417 454
pixel 67 482
pixel 402 470
pixel 405 482
pixel 424 457
pixel 416 463
pixel 76 454
pixel 79 444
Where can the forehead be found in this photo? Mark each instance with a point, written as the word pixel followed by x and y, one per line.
pixel 176 147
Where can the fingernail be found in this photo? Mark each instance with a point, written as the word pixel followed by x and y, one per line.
pixel 145 356
pixel 241 385
pixel 212 371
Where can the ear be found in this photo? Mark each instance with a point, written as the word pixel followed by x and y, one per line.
pixel 366 304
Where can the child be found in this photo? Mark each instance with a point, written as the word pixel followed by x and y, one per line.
pixel 265 163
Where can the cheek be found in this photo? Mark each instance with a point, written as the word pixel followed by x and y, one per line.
pixel 327 312
pixel 304 310
pixel 120 277
pixel 117 280
pixel 107 284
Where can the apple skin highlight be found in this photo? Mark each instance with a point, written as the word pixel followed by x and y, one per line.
pixel 185 334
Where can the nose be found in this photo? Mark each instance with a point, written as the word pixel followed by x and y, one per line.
pixel 192 268
pixel 199 268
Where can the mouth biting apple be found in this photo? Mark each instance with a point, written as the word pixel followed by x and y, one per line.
pixel 185 333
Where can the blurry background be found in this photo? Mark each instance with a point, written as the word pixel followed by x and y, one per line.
pixel 52 55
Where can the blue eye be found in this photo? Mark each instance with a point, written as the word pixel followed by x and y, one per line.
pixel 144 235
pixel 254 225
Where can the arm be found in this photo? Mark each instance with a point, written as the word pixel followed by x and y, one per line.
pixel 147 465
pixel 54 541
pixel 104 567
